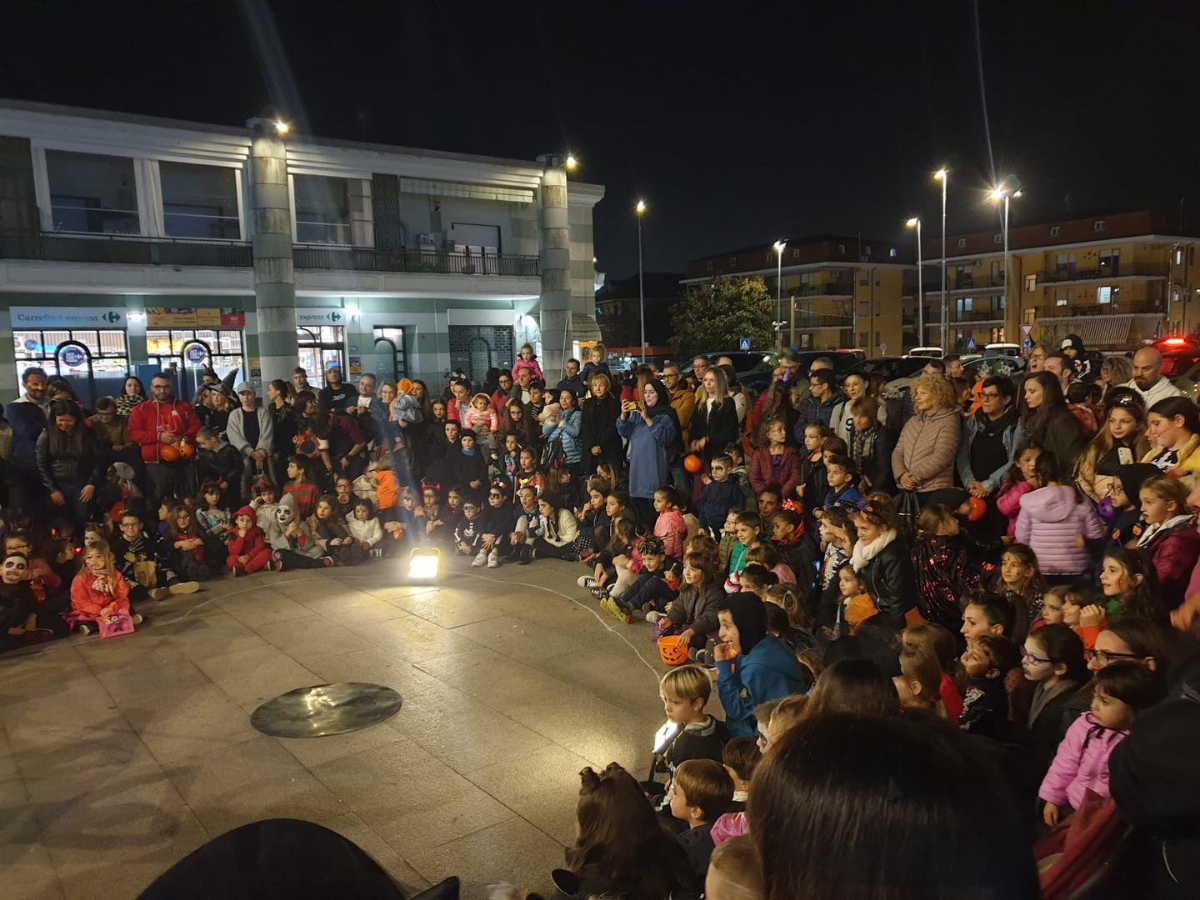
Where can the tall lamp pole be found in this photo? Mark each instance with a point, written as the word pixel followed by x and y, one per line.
pixel 779 247
pixel 640 209
pixel 915 222
pixel 943 176
pixel 1005 194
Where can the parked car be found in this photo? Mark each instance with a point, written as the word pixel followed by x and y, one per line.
pixel 935 352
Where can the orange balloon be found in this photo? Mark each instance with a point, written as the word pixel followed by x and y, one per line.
pixel 692 463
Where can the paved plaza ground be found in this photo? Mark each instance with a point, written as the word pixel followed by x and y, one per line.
pixel 119 757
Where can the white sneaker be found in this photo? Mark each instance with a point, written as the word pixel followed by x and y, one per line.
pixel 480 559
pixel 137 619
pixel 85 628
pixel 493 560
pixel 652 617
pixel 585 582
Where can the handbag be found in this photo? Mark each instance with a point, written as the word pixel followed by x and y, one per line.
pixel 909 509
pixel 117 623
pixel 552 455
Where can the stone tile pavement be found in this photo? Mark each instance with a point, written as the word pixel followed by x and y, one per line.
pixel 119 757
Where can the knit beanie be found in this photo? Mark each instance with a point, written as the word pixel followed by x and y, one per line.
pixel 246 511
pixel 750 617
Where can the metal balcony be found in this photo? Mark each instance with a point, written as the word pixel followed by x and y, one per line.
pixel 371 259
pixel 122 248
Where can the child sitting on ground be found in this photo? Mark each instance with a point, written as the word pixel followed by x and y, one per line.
pixel 747 526
pixel 17 616
pixel 765 554
pixel 212 513
pixel 99 591
pixel 332 536
pixel 669 526
pixel 700 792
pixel 734 871
pixel 468 536
pixel 189 551
pixel 294 545
pixel 142 558
pixel 693 614
pixel 720 495
pixel 741 757
pixel 651 580
pixel 248 550
pixel 1080 766
pixel 300 487
pixel 364 527
pixel 387 489
pixel 685 692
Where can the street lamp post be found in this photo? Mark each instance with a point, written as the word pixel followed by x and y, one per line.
pixel 640 209
pixel 779 247
pixel 915 222
pixel 943 176
pixel 1005 194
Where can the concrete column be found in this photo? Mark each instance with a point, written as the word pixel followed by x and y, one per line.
pixel 274 276
pixel 554 257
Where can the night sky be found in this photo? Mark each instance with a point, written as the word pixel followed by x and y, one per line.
pixel 739 122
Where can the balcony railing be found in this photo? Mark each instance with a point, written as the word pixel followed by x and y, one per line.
pixel 823 321
pixel 1102 272
pixel 1120 308
pixel 122 248
pixel 370 259
pixel 820 290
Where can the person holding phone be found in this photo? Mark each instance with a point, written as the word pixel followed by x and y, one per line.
pixel 650 426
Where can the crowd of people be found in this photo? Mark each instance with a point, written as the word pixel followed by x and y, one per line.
pixel 996 577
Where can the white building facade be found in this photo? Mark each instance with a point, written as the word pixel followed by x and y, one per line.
pixel 130 244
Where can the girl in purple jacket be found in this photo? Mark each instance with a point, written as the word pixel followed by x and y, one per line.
pixel 1081 764
pixel 1054 520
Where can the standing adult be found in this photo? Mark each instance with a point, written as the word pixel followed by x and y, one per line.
pixel 649 426
pixel 1037 358
pixel 27 417
pixel 775 401
pixel 990 438
pixel 817 409
pixel 70 462
pixel 251 432
pixel 284 428
pixel 1173 426
pixel 1047 422
pixel 714 423
pixel 841 420
pixel 300 380
pixel 699 367
pixel 923 460
pixel 519 391
pixel 1115 371
pixel 598 429
pixel 369 411
pixel 571 381
pixel 1077 357
pixel 567 432
pixel 683 401
pixel 460 399
pixel 504 384
pixel 163 422
pixel 133 393
pixel 1148 378
pixel 336 394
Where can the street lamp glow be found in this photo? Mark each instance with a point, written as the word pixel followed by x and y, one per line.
pixel 913 222
pixel 640 209
pixel 998 194
pixel 572 163
pixel 940 174
pixel 282 127
pixel 779 245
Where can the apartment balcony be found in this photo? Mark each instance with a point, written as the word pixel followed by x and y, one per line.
pixel 975 315
pixel 1120 308
pixel 1102 273
pixel 371 259
pixel 965 285
pixel 57 246
pixel 811 322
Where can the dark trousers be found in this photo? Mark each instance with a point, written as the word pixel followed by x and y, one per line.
pixel 293 560
pixel 26 493
pixel 649 589
pixel 73 509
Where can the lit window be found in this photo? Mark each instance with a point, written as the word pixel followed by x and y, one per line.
pixel 322 210
pixel 962 242
pixel 1099 225
pixel 733 262
pixel 1030 282
pixel 795 253
pixel 1104 294
pixel 199 201
pixel 892 253
pixel 92 193
pixel 1055 231
pixel 708 265
pixel 998 238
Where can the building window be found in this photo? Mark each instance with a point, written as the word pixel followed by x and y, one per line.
pixel 1065 263
pixel 322 210
pixel 199 201
pixel 164 346
pixel 1055 231
pixel 795 254
pixel 1030 283
pixel 110 360
pixel 965 305
pixel 868 249
pixel 962 242
pixel 733 262
pixel 892 253
pixel 841 248
pixel 708 265
pixel 399 359
pixel 92 193
pixel 998 238
pixel 1110 263
pixel 997 271
pixel 1104 294
pixel 1099 225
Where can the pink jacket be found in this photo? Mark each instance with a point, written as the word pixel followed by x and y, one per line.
pixel 1051 521
pixel 531 365
pixel 673 530
pixel 1081 763
pixel 1009 503
pixel 484 419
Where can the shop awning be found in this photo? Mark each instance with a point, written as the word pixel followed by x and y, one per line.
pixel 1096 331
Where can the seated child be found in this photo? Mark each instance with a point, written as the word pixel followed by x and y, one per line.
pixel 765 554
pixel 756 578
pixel 693 613
pixel 1080 766
pixel 266 503
pixel 747 527
pixel 739 474
pixel 190 554
pixel 98 591
pixel 301 487
pixel 17 616
pixel 143 559
pixel 985 704
pixel 670 525
pixel 364 527
pixel 656 581
pixel 616 555
pixel 795 549
pixel 700 792
pixel 741 757
pixel 734 872
pixel 857 607
pixel 720 495
pixel 295 547
pixel 387 489
pixel 685 692
pixel 468 536
pixel 332 536
pixel 498 520
pixel 248 550
pixel 213 513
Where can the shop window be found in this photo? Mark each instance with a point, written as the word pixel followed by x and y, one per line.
pixel 322 210
pixel 164 346
pixel 110 359
pixel 199 201
pixel 92 193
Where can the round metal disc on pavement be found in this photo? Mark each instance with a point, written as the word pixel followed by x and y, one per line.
pixel 326 709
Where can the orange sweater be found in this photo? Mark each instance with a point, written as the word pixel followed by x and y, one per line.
pixel 90 594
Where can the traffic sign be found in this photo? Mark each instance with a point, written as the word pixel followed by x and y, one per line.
pixel 971 345
pixel 1027 344
pixel 196 354
pixel 72 356
pixel 745 344
pixel 1027 329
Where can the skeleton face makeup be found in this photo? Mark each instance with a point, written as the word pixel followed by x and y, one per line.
pixel 14 569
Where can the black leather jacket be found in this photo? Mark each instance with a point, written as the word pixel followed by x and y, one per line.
pixel 86 466
pixel 891 581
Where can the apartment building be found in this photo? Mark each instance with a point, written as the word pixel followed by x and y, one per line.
pixel 1117 280
pixel 136 244
pixel 832 291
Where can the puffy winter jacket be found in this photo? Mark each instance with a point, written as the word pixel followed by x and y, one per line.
pixel 152 418
pixel 763 473
pixel 767 672
pixel 1051 521
pixel 83 467
pixel 1174 552
pixel 927 447
pixel 1081 763
pixel 567 431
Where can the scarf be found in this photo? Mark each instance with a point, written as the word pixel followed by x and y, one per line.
pixel 865 552
pixel 1161 528
pixel 992 427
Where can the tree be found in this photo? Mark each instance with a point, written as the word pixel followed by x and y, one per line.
pixel 717 315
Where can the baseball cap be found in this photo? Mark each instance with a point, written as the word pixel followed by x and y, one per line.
pixel 246 388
